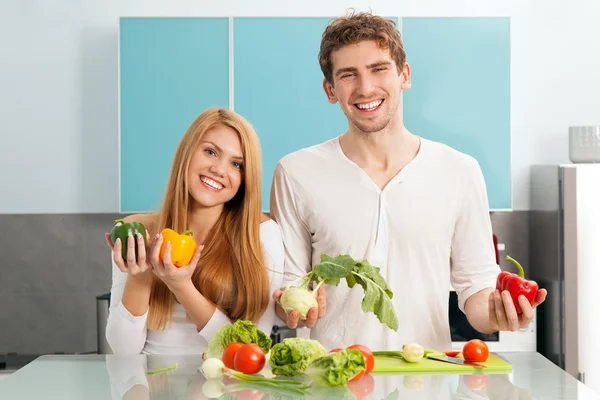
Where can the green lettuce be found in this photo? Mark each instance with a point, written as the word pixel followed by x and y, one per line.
pixel 293 355
pixel 240 331
pixel 336 369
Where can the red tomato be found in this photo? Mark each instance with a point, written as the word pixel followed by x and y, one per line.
pixel 367 354
pixel 249 359
pixel 335 350
pixel 364 388
pixel 475 350
pixel 358 376
pixel 229 353
pixel 452 353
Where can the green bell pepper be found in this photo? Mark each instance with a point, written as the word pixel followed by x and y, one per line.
pixel 122 230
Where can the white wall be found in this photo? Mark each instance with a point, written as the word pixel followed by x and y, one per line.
pixel 58 86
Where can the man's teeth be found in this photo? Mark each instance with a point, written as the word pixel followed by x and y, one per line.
pixel 369 106
pixel 211 183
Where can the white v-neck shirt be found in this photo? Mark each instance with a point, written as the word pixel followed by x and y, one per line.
pixel 429 228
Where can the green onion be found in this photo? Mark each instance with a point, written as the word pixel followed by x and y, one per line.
pixel 161 370
pixel 288 385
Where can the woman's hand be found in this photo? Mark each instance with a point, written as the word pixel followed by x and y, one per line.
pixel 140 270
pixel 174 277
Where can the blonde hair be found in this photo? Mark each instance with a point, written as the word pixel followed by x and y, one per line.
pixel 231 272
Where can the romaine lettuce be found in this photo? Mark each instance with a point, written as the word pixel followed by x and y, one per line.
pixel 293 355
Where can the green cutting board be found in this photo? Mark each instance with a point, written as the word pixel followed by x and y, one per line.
pixel 385 364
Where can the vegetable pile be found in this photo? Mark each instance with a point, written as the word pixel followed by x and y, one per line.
pixel 240 358
pixel 330 271
pixel 241 351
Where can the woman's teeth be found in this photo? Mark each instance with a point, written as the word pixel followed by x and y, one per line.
pixel 213 184
pixel 369 106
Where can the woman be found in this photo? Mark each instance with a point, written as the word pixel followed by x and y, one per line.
pixel 214 190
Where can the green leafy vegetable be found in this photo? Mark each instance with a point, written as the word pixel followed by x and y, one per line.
pixel 336 369
pixel 377 299
pixel 292 356
pixel 241 331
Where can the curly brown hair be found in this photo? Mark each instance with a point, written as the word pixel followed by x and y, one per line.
pixel 357 27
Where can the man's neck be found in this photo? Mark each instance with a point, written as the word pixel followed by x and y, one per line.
pixel 388 149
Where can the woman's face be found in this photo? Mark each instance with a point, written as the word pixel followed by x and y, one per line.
pixel 216 170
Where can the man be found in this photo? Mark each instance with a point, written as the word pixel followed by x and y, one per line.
pixel 417 209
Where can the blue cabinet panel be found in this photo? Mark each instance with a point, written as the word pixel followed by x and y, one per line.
pixel 460 94
pixel 170 70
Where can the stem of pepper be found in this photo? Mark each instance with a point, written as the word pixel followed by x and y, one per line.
pixel 116 221
pixel 188 232
pixel 516 263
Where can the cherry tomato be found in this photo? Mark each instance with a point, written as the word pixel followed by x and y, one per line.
pixel 364 388
pixel 452 353
pixel 249 359
pixel 475 350
pixel 367 354
pixel 335 350
pixel 229 353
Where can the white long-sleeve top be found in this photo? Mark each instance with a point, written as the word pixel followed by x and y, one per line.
pixel 428 229
pixel 128 334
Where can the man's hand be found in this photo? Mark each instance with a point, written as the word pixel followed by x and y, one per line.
pixel 503 315
pixel 293 319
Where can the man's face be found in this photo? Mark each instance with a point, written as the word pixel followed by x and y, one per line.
pixel 367 85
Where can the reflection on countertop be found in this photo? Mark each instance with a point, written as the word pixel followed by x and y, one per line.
pixel 124 377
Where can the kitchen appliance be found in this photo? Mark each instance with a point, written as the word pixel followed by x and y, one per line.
pixel 565 259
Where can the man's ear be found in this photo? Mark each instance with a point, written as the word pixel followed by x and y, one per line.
pixel 331 97
pixel 405 74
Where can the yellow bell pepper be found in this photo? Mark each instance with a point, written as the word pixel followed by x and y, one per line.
pixel 183 246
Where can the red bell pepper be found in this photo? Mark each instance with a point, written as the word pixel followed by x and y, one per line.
pixel 517 285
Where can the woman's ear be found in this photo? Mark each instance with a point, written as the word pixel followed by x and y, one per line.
pixel 329 91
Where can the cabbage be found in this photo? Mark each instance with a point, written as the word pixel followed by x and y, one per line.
pixel 292 356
